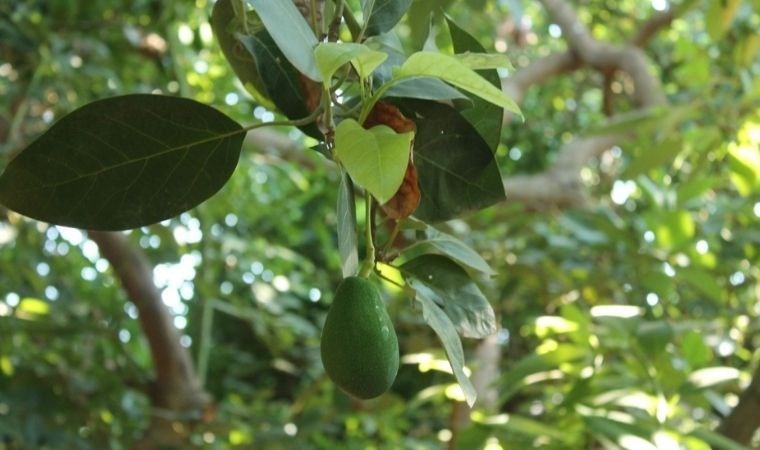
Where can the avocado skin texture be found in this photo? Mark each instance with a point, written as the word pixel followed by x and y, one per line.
pixel 359 344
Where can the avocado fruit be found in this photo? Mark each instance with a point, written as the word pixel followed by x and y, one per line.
pixel 359 345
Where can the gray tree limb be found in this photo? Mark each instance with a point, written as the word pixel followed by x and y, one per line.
pixel 176 394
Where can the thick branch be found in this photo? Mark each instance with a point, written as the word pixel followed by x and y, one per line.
pixel 177 393
pixel 606 57
pixel 655 23
pixel 743 421
pixel 560 186
pixel 538 72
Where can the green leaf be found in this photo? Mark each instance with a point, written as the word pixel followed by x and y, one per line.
pixel 451 70
pixel 439 242
pixel 445 282
pixel 331 56
pixel 441 324
pixel 383 15
pixel 281 77
pixel 376 158
pixel 694 349
pixel 225 25
pixel 348 242
pixel 703 281
pixel 428 89
pixel 478 59
pixel 654 335
pixel 717 441
pixel 414 87
pixel 654 156
pixel 456 167
pixel 719 17
pixel 291 32
pixel 672 229
pixel 744 161
pixel 486 117
pixel 124 162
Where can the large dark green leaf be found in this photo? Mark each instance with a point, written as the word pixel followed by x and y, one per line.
pixel 484 116
pixel 292 34
pixel 444 281
pixel 382 15
pixel 441 324
pixel 124 162
pixel 225 25
pixel 281 77
pixel 456 167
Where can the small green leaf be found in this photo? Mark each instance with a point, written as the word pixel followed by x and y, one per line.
pixel 717 441
pixel 376 159
pixel 653 156
pixel 428 89
pixel 383 15
pixel 719 17
pixel 291 32
pixel 124 162
pixel 330 56
pixel 441 324
pixel 744 161
pixel 704 282
pixel 451 70
pixel 348 242
pixel 437 241
pixel 444 281
pixel 694 349
pixel 481 61
pixel 672 229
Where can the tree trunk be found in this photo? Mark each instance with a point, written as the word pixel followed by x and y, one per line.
pixel 177 397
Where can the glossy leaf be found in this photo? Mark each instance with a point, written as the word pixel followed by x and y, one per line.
pixel 428 89
pixel 376 159
pixel 124 162
pixel 278 75
pixel 438 242
pixel 383 15
pixel 449 285
pixel 225 25
pixel 330 56
pixel 441 324
pixel 348 243
pixel 477 59
pixel 451 70
pixel 486 117
pixel 456 167
pixel 291 32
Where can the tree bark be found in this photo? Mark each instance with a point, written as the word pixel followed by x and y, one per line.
pixel 743 422
pixel 177 397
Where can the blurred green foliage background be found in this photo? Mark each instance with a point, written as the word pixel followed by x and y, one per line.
pixel 629 324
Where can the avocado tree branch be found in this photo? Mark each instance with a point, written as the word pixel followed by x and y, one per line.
pixel 743 422
pixel 560 186
pixel 176 395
